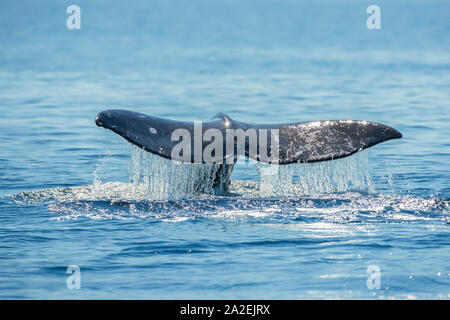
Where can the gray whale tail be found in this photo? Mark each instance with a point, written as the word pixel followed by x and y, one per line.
pixel 298 142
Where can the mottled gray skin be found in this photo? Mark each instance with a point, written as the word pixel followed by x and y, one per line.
pixel 299 142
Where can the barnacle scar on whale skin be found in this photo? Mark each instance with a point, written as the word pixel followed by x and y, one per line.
pixel 224 139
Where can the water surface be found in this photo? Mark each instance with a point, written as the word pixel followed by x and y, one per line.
pixel 66 191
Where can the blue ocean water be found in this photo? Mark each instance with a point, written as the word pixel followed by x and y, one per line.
pixel 65 196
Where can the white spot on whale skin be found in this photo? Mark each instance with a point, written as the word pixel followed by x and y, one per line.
pixel 98 121
pixel 152 130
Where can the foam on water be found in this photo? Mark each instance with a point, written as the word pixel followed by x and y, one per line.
pixel 331 208
pixel 154 178
pixel 282 192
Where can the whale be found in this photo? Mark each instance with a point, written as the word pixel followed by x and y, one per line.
pixel 222 140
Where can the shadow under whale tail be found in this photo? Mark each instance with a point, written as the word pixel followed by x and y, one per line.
pixel 222 140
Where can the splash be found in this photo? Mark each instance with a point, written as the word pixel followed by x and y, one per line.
pixel 163 179
pixel 332 209
pixel 351 173
pixel 275 180
pixel 154 178
pixel 293 192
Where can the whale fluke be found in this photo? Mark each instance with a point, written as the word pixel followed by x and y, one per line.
pixel 299 142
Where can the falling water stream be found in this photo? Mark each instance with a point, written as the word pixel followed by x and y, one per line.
pixel 162 179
